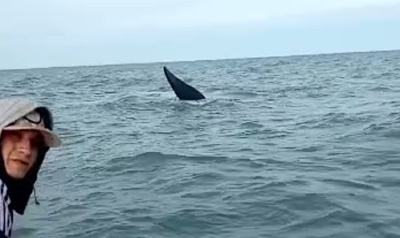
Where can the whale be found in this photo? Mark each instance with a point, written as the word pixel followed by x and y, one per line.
pixel 181 89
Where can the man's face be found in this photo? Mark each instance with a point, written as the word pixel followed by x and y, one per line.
pixel 19 150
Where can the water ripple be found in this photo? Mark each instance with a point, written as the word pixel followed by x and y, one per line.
pixel 283 147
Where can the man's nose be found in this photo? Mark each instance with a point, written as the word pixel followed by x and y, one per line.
pixel 24 146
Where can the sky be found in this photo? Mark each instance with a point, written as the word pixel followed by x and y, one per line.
pixel 47 33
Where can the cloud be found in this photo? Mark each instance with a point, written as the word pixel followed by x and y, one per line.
pixel 85 16
pixel 210 12
pixel 54 32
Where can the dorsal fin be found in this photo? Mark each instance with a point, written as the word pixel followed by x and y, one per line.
pixel 182 90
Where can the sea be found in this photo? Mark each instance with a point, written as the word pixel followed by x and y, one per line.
pixel 301 146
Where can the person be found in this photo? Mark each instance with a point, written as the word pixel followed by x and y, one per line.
pixel 26 135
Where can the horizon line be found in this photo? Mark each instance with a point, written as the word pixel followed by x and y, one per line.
pixel 203 60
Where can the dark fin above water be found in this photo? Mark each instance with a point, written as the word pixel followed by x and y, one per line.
pixel 182 90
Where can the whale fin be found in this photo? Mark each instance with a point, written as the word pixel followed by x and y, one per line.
pixel 182 90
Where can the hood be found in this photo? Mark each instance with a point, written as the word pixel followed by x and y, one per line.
pixel 12 109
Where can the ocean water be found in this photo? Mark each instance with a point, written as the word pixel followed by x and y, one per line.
pixel 284 147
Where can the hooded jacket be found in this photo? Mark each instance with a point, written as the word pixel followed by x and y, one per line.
pixel 15 194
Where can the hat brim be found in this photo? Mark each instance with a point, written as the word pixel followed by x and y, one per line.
pixel 50 139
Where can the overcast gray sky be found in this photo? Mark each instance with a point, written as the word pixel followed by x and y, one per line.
pixel 45 33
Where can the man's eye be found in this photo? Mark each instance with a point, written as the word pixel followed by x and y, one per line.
pixel 14 135
pixel 34 142
pixel 37 141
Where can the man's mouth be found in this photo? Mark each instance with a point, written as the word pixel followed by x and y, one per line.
pixel 20 161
